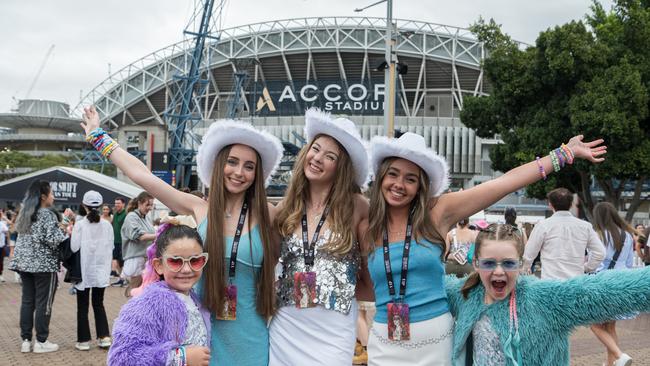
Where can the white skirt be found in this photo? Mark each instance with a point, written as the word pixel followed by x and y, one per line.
pixel 431 344
pixel 313 336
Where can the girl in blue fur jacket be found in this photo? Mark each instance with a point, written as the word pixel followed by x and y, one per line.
pixel 166 324
pixel 504 319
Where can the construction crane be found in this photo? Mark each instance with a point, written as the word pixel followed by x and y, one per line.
pixel 38 73
pixel 184 111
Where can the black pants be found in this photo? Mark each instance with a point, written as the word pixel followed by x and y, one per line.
pixel 101 322
pixel 36 305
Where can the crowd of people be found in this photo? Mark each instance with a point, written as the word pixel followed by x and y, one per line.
pixel 232 279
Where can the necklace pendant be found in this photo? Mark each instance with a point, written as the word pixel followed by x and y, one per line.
pixel 228 214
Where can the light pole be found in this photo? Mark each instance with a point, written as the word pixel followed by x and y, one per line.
pixel 389 73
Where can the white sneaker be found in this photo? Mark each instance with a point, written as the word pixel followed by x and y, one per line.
pixel 82 346
pixel 2 279
pixel 624 360
pixel 104 342
pixel 26 346
pixel 45 347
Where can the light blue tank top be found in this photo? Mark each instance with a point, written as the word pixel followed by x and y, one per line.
pixel 425 290
pixel 244 341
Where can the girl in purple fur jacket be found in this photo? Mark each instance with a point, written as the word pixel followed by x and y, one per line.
pixel 166 324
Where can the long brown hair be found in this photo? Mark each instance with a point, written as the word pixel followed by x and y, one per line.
pixel 144 196
pixel 214 275
pixel 341 193
pixel 423 227
pixel 498 232
pixel 606 218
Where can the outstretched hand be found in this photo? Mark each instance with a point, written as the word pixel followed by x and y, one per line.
pixel 91 119
pixel 592 151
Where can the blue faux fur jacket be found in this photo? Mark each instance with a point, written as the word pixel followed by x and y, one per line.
pixel 549 310
pixel 151 325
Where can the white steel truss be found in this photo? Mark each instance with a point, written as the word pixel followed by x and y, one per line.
pixel 428 42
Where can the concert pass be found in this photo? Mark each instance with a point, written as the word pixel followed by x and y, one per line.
pixel 460 256
pixel 304 289
pixel 398 322
pixel 230 304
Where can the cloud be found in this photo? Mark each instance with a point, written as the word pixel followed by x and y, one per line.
pixel 91 34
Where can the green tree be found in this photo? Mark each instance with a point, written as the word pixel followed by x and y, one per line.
pixel 590 78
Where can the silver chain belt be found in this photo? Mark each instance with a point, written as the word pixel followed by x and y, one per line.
pixel 413 345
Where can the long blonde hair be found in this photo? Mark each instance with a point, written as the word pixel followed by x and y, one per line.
pixel 341 214
pixel 499 232
pixel 215 270
pixel 423 228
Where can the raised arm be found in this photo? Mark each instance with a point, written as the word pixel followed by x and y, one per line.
pixel 179 202
pixel 593 299
pixel 452 207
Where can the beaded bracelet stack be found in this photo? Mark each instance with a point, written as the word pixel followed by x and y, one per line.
pixel 560 157
pixel 102 142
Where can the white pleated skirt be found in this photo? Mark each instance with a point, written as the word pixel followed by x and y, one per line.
pixel 430 345
pixel 313 336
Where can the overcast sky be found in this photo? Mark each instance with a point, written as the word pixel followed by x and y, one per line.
pixel 90 34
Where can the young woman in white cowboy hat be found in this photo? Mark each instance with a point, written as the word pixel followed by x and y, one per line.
pixel 319 221
pixel 235 160
pixel 407 202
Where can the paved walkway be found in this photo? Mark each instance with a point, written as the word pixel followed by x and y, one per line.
pixel 585 349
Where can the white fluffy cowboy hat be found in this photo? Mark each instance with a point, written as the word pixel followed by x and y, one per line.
pixel 411 147
pixel 222 133
pixel 345 132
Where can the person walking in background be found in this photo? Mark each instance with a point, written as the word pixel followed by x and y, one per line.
pixel 510 217
pixel 617 235
pixel 459 241
pixel 4 242
pixel 36 259
pixel 92 236
pixel 107 214
pixel 640 240
pixel 119 214
pixel 137 233
pixel 562 240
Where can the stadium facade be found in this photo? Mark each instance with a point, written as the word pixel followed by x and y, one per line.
pixel 331 63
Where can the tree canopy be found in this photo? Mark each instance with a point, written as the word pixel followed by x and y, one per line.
pixel 588 77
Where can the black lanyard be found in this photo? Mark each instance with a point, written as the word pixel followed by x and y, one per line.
pixel 405 259
pixel 309 248
pixel 235 240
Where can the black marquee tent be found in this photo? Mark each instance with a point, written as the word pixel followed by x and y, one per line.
pixel 69 186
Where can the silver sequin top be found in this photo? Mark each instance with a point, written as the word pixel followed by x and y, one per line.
pixel 336 277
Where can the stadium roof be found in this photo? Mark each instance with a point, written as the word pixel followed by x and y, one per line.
pixel 140 84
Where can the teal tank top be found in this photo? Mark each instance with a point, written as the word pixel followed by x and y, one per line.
pixel 425 290
pixel 244 341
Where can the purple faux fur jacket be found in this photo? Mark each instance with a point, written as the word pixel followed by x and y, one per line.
pixel 151 325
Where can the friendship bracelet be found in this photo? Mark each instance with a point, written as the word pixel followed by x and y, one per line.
pixel 554 162
pixel 569 152
pixel 541 168
pixel 102 142
pixel 560 158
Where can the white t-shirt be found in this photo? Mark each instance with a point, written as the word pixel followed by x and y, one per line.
pixel 4 229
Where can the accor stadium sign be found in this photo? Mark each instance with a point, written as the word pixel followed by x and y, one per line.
pixel 287 98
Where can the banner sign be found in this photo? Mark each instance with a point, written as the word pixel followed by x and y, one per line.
pixel 285 98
